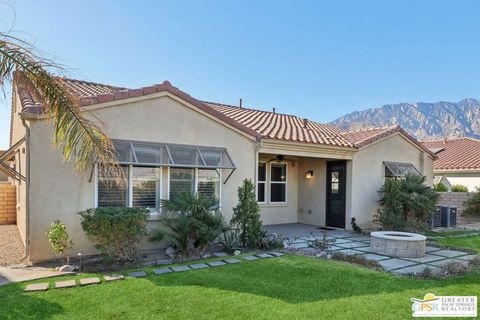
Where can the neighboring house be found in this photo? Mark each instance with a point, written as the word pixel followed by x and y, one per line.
pixel 170 142
pixel 458 161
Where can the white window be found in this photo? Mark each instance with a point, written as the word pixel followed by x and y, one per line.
pixel 141 188
pixel 181 180
pixel 261 182
pixel 278 182
pixel 208 184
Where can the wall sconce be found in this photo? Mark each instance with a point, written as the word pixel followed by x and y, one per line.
pixel 309 174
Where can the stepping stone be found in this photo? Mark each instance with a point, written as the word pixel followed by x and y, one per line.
pixel 414 269
pixel 264 255
pixel 352 245
pixel 340 241
pixel 336 248
pixel 216 263
pixel 425 259
pixel 310 250
pixel 250 258
pixel 467 258
pixel 277 254
pixel 87 281
pixel 298 245
pixel 36 287
pixel 180 268
pixel 113 277
pixel 232 260
pixel 442 263
pixel 395 263
pixel 449 253
pixel 163 262
pixel 198 266
pixel 220 254
pixel 350 252
pixel 137 274
pixel 162 271
pixel 431 249
pixel 65 284
pixel 375 257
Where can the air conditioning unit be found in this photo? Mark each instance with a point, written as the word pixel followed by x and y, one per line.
pixel 448 216
pixel 437 218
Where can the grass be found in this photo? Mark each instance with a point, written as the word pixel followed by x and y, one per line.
pixel 290 287
pixel 470 242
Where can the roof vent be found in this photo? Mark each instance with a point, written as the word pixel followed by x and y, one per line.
pixel 241 103
pixel 273 110
pixel 305 123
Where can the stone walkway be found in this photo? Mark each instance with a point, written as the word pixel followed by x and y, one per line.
pixel 144 273
pixel 353 244
pixel 9 275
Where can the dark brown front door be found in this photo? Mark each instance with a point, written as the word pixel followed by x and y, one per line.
pixel 336 188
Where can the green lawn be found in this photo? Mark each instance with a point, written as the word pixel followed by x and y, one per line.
pixel 289 287
pixel 471 242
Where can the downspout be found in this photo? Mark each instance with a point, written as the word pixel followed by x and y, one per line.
pixel 27 189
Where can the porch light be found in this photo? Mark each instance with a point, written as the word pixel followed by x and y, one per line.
pixel 309 174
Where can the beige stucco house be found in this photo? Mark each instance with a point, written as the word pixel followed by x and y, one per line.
pixel 170 142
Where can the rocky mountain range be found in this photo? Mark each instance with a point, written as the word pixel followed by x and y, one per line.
pixel 425 121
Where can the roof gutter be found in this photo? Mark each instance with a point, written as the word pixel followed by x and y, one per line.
pixel 27 189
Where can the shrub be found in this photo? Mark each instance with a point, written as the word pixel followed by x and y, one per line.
pixel 355 226
pixel 453 269
pixel 115 232
pixel 270 241
pixel 357 260
pixel 59 239
pixel 230 240
pixel 324 244
pixel 473 205
pixel 406 203
pixel 246 215
pixel 193 222
pixel 459 188
pixel 440 187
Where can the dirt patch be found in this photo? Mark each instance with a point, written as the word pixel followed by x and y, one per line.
pixel 11 247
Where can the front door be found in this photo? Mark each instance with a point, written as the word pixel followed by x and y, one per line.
pixel 336 188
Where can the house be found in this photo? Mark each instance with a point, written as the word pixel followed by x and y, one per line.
pixel 458 161
pixel 170 142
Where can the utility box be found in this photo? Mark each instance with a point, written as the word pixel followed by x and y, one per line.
pixel 437 218
pixel 448 216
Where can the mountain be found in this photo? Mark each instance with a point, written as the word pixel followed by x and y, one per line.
pixel 422 120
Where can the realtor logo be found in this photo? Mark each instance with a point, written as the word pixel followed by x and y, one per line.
pixel 444 306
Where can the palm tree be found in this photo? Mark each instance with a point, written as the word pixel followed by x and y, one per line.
pixel 80 139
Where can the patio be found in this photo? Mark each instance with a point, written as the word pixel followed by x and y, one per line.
pixel 346 242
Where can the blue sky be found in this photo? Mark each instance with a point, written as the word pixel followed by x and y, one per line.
pixel 317 59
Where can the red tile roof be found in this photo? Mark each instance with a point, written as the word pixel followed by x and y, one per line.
pixel 257 123
pixel 457 153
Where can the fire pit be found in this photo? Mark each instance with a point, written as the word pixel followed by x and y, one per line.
pixel 398 244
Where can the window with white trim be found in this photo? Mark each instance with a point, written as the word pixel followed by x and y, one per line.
pixel 208 183
pixel 278 182
pixel 181 180
pixel 110 193
pixel 261 181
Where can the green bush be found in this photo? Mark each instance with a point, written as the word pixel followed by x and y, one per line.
pixel 116 232
pixel 59 239
pixel 459 188
pixel 440 187
pixel 406 204
pixel 230 240
pixel 192 223
pixel 472 205
pixel 246 215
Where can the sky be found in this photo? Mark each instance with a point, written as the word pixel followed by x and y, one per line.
pixel 316 59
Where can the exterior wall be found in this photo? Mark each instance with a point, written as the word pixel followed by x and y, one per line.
pixel 368 174
pixel 3 177
pixel 312 192
pixel 455 199
pixel 8 212
pixel 469 179
pixel 158 120
pixel 277 213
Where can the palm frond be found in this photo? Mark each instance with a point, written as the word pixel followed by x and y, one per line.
pixel 81 140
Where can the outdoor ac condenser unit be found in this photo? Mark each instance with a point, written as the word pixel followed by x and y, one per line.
pixel 448 216
pixel 437 218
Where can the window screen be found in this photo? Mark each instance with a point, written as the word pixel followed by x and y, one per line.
pixel 146 188
pixel 181 181
pixel 208 183
pixel 111 194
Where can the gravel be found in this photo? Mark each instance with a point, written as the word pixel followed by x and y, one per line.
pixel 11 246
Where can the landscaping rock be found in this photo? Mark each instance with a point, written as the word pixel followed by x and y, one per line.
pixel 87 281
pixel 171 252
pixel 65 284
pixel 216 263
pixel 113 277
pixel 36 287
pixel 162 271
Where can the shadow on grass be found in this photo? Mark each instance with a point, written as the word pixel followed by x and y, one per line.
pixel 16 304
pixel 298 280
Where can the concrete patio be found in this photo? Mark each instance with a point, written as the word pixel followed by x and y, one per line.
pixel 300 236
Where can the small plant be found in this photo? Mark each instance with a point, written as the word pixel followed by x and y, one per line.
pixel 324 244
pixel 270 241
pixel 427 273
pixel 246 215
pixel 453 269
pixel 355 226
pixel 59 240
pixel 116 232
pixel 459 188
pixel 230 240
pixel 440 187
pixel 473 205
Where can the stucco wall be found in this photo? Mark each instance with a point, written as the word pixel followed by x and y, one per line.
pixel 311 192
pixel 59 193
pixel 469 179
pixel 368 174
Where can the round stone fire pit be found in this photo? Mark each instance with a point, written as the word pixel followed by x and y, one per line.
pixel 398 244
